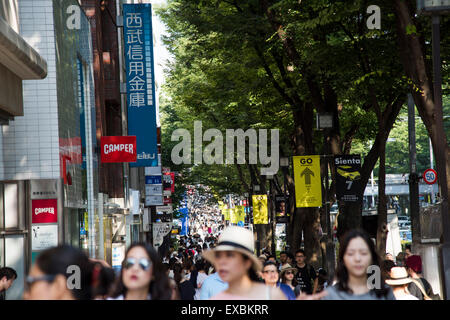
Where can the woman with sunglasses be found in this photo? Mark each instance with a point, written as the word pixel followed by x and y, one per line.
pixel 142 276
pixel 287 275
pixel 60 273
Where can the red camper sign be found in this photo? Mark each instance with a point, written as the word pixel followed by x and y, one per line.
pixel 118 149
pixel 44 211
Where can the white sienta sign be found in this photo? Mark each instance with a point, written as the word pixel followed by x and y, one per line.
pixel 44 237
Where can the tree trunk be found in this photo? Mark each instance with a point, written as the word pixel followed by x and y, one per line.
pixel 418 71
pixel 311 236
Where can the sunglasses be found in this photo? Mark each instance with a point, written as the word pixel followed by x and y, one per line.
pixel 30 280
pixel 144 264
pixel 289 272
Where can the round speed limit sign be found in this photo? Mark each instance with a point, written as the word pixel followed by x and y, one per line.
pixel 430 176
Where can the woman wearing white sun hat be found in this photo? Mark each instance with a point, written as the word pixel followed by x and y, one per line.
pixel 236 264
pixel 399 281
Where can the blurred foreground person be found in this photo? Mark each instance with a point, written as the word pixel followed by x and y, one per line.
pixel 399 281
pixel 60 273
pixel 103 277
pixel 357 252
pixel 142 276
pixel 7 277
pixel 236 264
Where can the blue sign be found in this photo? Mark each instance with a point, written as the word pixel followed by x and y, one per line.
pixel 153 180
pixel 141 100
pixel 184 221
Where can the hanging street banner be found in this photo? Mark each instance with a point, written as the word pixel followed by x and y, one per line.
pixel 260 209
pixel 281 205
pixel 239 214
pixel 308 185
pixel 226 214
pixel 160 230
pixel 140 81
pixel 233 217
pixel 348 177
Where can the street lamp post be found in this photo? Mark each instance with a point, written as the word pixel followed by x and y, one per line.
pixel 325 122
pixel 272 213
pixel 284 163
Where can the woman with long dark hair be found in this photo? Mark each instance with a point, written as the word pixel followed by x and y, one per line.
pixel 142 276
pixel 356 254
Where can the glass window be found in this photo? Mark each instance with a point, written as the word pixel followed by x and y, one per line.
pixel 15 258
pixel 11 206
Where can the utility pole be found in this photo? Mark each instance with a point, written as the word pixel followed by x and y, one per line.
pixel 413 176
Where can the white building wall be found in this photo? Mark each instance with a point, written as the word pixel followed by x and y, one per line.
pixel 31 143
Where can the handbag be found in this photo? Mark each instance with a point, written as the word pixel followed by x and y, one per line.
pixel 425 296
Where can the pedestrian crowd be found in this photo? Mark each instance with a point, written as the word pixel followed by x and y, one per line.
pixel 220 264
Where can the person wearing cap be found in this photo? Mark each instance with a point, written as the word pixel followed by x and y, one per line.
pixel 399 282
pixel 414 267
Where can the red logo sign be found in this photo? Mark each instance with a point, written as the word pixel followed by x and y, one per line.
pixel 430 176
pixel 44 211
pixel 118 149
pixel 169 181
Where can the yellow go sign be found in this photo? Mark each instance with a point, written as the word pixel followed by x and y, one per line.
pixel 260 209
pixel 308 185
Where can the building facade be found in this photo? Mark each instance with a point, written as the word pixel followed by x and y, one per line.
pixel 18 61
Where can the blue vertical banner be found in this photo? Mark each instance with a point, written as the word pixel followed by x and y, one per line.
pixel 141 98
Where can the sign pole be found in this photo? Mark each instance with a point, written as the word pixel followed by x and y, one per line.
pixel 413 176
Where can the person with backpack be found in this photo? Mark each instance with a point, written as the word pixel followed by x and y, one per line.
pixel 306 276
pixel 419 287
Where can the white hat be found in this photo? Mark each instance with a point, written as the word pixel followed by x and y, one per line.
pixel 399 276
pixel 235 239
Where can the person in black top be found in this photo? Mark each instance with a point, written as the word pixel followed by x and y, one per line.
pixel 306 275
pixel 414 268
pixel 7 277
pixel 185 287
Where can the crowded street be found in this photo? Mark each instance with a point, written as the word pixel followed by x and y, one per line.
pixel 210 153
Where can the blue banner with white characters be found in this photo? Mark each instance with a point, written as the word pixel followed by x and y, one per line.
pixel 141 101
